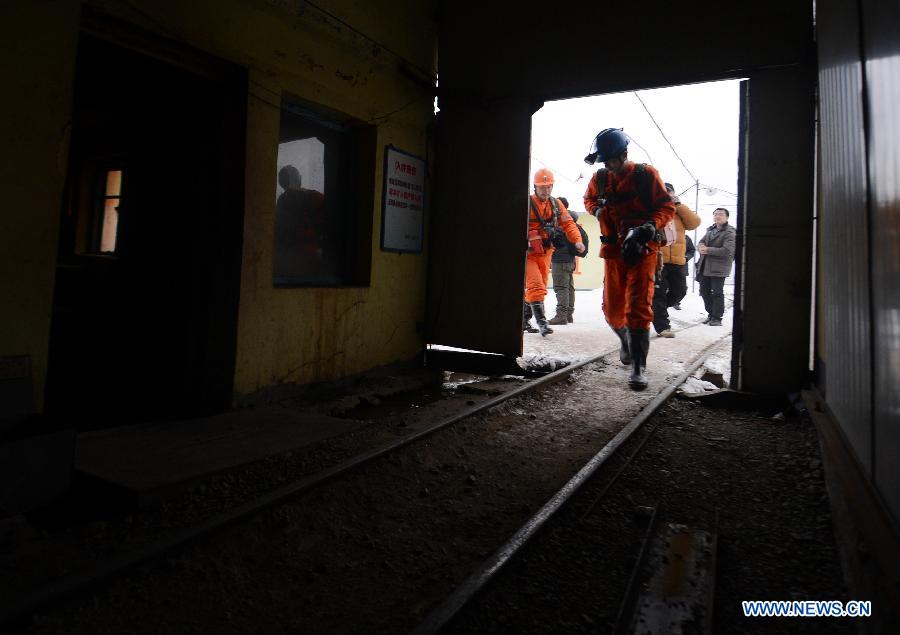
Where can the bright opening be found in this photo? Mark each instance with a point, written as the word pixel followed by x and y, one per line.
pixel 690 134
pixel 110 223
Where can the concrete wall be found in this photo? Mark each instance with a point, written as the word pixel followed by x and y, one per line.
pixel 286 336
pixel 777 230
pixel 511 60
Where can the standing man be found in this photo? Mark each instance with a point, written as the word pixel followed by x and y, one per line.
pixel 632 205
pixel 671 285
pixel 545 215
pixel 716 255
pixel 562 268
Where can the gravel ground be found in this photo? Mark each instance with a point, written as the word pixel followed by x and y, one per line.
pixel 372 552
pixel 755 481
pixel 378 549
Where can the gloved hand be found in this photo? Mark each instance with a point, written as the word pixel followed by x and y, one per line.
pixel 645 233
pixel 634 245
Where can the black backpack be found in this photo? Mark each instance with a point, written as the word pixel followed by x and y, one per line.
pixel 557 236
pixel 642 182
pixel 584 239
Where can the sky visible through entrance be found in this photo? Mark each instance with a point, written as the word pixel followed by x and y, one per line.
pixel 700 121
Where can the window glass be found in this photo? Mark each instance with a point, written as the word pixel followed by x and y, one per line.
pixel 313 217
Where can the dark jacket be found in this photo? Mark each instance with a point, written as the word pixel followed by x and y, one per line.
pixel 717 262
pixel 689 252
pixel 564 255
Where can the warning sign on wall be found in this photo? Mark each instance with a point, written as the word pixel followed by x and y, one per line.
pixel 403 202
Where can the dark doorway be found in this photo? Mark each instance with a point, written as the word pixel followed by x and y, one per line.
pixel 145 304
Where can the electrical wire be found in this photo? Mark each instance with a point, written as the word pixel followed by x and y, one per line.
pixel 165 28
pixel 719 189
pixel 649 158
pixel 553 169
pixel 424 72
pixel 706 186
pixel 376 119
pixel 684 165
pixel 386 116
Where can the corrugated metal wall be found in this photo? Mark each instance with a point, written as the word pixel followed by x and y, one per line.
pixel 881 26
pixel 843 219
pixel 859 91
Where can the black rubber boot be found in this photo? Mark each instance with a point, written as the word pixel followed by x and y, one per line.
pixel 560 317
pixel 639 344
pixel 538 309
pixel 624 351
pixel 526 320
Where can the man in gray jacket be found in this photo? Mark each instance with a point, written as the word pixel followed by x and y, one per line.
pixel 716 255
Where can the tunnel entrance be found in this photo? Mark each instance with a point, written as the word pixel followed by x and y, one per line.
pixel 690 133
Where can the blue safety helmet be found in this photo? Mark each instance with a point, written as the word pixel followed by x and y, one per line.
pixel 608 144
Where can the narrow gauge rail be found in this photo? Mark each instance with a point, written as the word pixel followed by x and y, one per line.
pixel 487 572
pixel 16 607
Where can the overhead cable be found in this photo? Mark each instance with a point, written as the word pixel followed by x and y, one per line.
pixel 707 187
pixel 713 187
pixel 553 169
pixel 649 158
pixel 665 137
pixel 424 72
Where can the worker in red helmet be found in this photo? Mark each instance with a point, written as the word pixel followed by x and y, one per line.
pixel 632 205
pixel 548 218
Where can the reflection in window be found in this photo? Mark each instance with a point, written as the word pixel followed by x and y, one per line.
pixel 314 215
pixel 109 204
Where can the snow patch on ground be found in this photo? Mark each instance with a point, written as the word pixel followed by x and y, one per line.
pixel 695 386
pixel 589 335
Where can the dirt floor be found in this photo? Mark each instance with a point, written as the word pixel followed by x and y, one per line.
pixel 753 479
pixel 39 550
pixel 375 551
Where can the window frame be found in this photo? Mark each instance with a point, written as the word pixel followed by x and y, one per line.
pixel 354 176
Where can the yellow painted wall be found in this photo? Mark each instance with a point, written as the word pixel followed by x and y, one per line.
pixel 307 335
pixel 285 335
pixel 590 268
pixel 37 49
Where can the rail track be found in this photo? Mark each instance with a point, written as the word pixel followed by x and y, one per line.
pixel 491 568
pixel 13 608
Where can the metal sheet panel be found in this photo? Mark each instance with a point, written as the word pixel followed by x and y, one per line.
pixel 776 227
pixel 881 49
pixel 476 276
pixel 843 217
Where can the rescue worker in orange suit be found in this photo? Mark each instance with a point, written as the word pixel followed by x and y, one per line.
pixel 632 205
pixel 546 215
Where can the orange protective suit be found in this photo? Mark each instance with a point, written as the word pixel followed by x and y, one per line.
pixel 537 266
pixel 628 291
